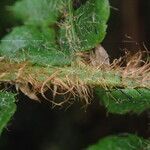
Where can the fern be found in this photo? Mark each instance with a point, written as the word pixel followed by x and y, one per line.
pixel 52 32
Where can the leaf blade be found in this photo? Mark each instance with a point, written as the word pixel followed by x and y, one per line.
pixel 85 27
pixel 123 142
pixel 7 108
pixel 122 101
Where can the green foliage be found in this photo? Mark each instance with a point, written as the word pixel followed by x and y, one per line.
pixel 38 12
pixel 33 44
pixel 124 142
pixel 54 29
pixel 85 27
pixel 7 108
pixel 27 37
pixel 122 101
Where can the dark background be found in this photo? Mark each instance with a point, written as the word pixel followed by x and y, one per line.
pixel 35 126
pixel 128 27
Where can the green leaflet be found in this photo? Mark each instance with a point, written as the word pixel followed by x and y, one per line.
pixel 33 44
pixel 122 142
pixel 25 37
pixel 84 28
pixel 7 108
pixel 38 12
pixel 123 101
pixel 54 29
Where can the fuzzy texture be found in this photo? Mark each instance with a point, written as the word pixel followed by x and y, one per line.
pixel 132 83
pixel 44 54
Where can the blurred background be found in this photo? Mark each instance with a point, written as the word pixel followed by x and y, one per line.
pixel 37 127
pixel 128 27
